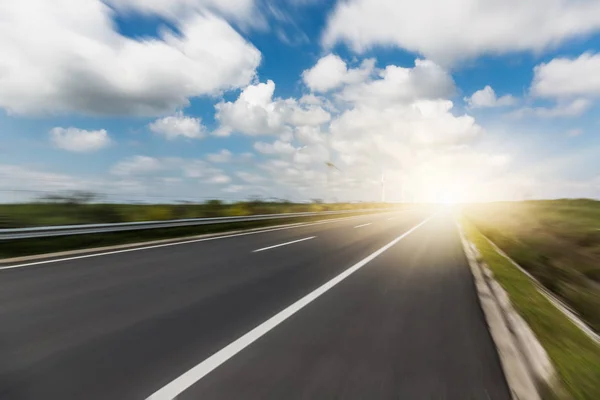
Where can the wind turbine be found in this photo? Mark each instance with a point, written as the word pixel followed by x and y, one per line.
pixel 382 186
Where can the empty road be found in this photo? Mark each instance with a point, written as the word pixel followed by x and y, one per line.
pixel 375 306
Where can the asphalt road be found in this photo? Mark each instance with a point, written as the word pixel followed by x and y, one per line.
pixel 353 308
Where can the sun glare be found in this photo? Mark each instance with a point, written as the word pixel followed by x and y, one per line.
pixel 448 197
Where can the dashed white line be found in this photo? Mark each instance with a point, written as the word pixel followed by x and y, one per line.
pixel 177 386
pixel 284 244
pixel 360 226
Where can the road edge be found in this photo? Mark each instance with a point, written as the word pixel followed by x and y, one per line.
pixel 527 367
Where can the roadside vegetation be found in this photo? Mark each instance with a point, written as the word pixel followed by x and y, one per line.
pixel 81 208
pixel 556 241
pixel 86 208
pixel 575 356
pixel 27 247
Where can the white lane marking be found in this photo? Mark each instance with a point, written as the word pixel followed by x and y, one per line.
pixel 360 226
pixel 284 244
pixel 176 243
pixel 177 386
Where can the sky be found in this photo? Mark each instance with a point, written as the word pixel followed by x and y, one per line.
pixel 348 100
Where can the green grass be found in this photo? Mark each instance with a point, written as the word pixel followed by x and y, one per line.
pixel 575 356
pixel 557 241
pixel 25 247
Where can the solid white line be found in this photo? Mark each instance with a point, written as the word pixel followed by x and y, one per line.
pixel 176 243
pixel 284 244
pixel 360 226
pixel 177 386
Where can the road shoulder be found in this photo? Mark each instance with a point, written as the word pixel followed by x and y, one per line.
pixel 560 360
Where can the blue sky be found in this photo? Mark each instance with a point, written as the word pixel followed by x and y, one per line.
pixel 156 100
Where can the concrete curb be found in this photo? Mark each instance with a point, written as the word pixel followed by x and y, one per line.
pixel 528 370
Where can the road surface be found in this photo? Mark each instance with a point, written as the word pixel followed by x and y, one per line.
pixel 375 306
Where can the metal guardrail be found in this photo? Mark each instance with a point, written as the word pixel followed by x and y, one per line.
pixel 65 230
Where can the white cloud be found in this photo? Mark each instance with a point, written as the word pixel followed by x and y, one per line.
pixel 76 61
pixel 221 157
pixel 309 135
pixel 573 108
pixel 331 72
pixel 255 112
pixel 234 188
pixel 448 31
pixel 178 125
pixel 79 140
pixel 174 9
pixel 137 165
pixel 277 147
pixel 249 177
pixel 574 132
pixel 425 123
pixel 198 169
pixel 218 179
pixel 311 99
pixel 396 84
pixel 564 77
pixel 486 98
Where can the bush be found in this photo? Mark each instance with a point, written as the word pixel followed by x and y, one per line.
pixel 158 213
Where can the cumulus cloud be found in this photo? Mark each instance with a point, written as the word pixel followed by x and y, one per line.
pixel 380 131
pixel 77 61
pixel 566 77
pixel 397 121
pixel 137 165
pixel 218 179
pixel 426 80
pixel 277 147
pixel 486 98
pixel 222 156
pixel 331 72
pixel 178 125
pixel 571 108
pixel 424 123
pixel 79 140
pixel 175 9
pixel 255 112
pixel 460 29
pixel 309 135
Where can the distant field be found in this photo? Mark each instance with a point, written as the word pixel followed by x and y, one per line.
pixel 68 213
pixel 557 241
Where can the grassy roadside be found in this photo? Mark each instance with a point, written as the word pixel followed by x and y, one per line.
pixel 575 356
pixel 557 241
pixel 26 247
